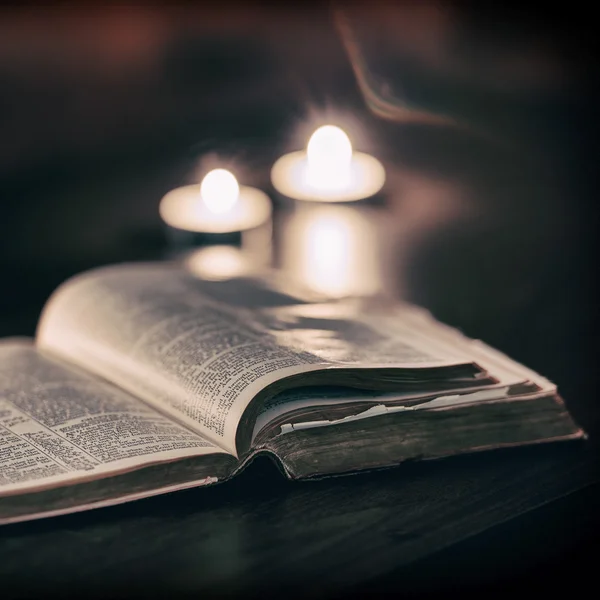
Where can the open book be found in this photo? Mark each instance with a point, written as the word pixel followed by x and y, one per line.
pixel 144 380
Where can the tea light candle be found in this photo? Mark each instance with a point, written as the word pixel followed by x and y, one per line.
pixel 219 205
pixel 334 250
pixel 328 170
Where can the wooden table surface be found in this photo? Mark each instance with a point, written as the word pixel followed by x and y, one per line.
pixel 260 534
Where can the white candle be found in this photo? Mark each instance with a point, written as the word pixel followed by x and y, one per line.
pixel 333 250
pixel 218 205
pixel 328 170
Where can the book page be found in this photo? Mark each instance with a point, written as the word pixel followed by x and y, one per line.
pixel 154 330
pixel 150 329
pixel 345 333
pixel 58 425
pixel 504 367
pixel 509 374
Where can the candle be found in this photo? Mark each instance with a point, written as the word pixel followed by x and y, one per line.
pixel 334 250
pixel 328 170
pixel 219 205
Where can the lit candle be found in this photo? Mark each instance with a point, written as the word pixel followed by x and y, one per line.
pixel 219 205
pixel 328 170
pixel 334 251
pixel 219 229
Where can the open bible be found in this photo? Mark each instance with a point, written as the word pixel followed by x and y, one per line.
pixel 143 380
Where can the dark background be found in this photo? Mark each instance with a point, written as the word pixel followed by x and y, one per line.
pixel 104 108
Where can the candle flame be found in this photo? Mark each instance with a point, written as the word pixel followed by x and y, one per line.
pixel 329 158
pixel 219 190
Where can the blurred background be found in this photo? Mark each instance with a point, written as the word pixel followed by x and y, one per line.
pixel 483 117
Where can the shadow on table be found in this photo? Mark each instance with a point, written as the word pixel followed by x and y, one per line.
pixel 259 533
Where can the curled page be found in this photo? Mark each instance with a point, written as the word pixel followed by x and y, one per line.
pixel 157 332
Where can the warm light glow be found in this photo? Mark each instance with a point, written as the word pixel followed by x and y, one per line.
pixel 328 170
pixel 329 143
pixel 333 251
pixel 329 158
pixel 217 263
pixel 219 191
pixel 222 206
pixel 328 253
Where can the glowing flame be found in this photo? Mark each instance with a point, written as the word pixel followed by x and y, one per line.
pixel 219 191
pixel 329 157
